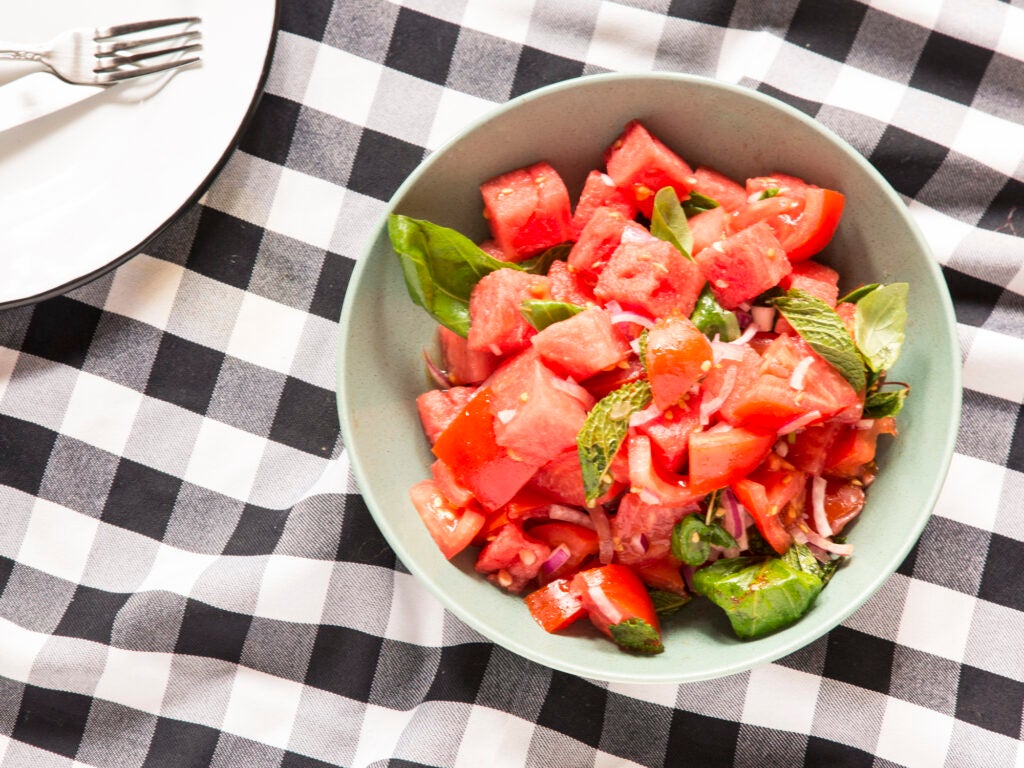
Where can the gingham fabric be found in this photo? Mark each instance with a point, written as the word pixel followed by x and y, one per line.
pixel 188 574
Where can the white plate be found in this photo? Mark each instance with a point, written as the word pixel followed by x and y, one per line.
pixel 85 188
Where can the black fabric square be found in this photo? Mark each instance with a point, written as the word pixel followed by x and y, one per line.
pixel 308 18
pixel 538 68
pixel 907 161
pixel 574 707
pixel 1015 456
pixel 257 532
pixel 176 743
pixel 827 27
pixel 806 106
pixel 91 613
pixel 61 330
pixel 835 755
pixel 52 720
pixel 1000 583
pixel 361 540
pixel 422 46
pixel 6 567
pixel 335 274
pixel 212 632
pixel 906 568
pixel 293 760
pixel 951 68
pixel 307 418
pixel 859 659
pixel 1006 211
pixel 989 701
pixel 26 449
pixel 973 299
pixel 184 373
pixel 141 499
pixel 460 673
pixel 225 248
pixel 717 12
pixel 706 741
pixel 269 135
pixel 344 662
pixel 382 163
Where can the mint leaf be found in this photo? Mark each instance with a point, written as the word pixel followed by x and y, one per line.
pixel 879 324
pixel 697 203
pixel 541 263
pixel 541 314
pixel 881 404
pixel 823 329
pixel 637 636
pixel 668 221
pixel 692 540
pixel 710 318
pixel 602 433
pixel 800 557
pixel 858 293
pixel 666 603
pixel 770 192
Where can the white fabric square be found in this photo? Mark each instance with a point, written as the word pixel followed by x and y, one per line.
pixel 57 541
pixel 342 85
pixel 294 56
pixel 101 413
pixel 225 459
pixel 995 366
pixel 262 707
pixel 625 38
pixel 305 208
pixel 1011 42
pixel 21 647
pixel 494 738
pixel 382 728
pixel 746 53
pixel 943 233
pixel 921 12
pixel 144 289
pixel 662 694
pixel 8 359
pixel 971 492
pixel 508 20
pixel 135 679
pixel 936 620
pixel 266 333
pixel 175 570
pixel 294 589
pixel 865 93
pixel 244 188
pixel 991 140
pixel 914 736
pixel 771 683
pixel 455 112
pixel 416 615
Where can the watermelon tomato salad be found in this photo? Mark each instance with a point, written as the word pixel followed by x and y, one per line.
pixel 650 393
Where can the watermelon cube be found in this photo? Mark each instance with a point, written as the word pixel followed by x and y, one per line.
pixel 439 407
pixel 707 227
pixel 640 164
pixel 528 210
pixel 720 188
pixel 599 191
pixel 495 323
pixel 650 276
pixel 744 265
pixel 568 285
pixel 583 344
pixel 597 241
pixel 815 279
pixel 462 364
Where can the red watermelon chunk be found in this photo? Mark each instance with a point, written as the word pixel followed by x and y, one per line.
pixel 599 191
pixel 598 241
pixel 720 188
pixel 651 277
pixel 744 265
pixel 462 364
pixel 815 279
pixel 670 432
pixel 495 323
pixel 561 480
pixel 707 227
pixel 568 285
pixel 583 344
pixel 640 164
pixel 528 210
pixel 642 532
pixel 438 407
pixel 513 558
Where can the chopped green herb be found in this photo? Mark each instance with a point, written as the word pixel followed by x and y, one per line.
pixel 668 221
pixel 877 405
pixel 637 636
pixel 711 319
pixel 541 314
pixel 770 192
pixel 697 203
pixel 666 603
pixel 602 433
pixel 879 324
pixel 858 293
pixel 692 540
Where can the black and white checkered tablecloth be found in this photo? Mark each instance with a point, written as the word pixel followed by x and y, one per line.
pixel 189 576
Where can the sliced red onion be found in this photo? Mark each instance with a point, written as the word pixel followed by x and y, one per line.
pixel 440 377
pixel 570 515
pixel 709 407
pixel 798 423
pixel 818 484
pixel 764 318
pixel 635 346
pixel 640 543
pixel 555 560
pixel 864 424
pixel 573 389
pixel 625 316
pixel 506 415
pixel 725 350
pixel 796 379
pixel 649 413
pixel 747 335
pixel 604 606
pixel 605 545
pixel 648 484
pixel 828 545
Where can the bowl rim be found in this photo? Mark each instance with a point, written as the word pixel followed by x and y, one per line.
pixel 772 651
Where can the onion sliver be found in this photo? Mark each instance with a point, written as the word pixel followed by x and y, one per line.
pixel 573 389
pixel 818 484
pixel 747 335
pixel 649 413
pixel 796 379
pixel 555 560
pixel 624 316
pixel 605 546
pixel 439 376
pixel 828 545
pixel 570 515
pixel 726 350
pixel 709 408
pixel 799 422
pixel 605 607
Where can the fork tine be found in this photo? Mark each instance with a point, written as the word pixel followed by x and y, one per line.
pixel 110 63
pixel 111 48
pixel 126 74
pixel 117 30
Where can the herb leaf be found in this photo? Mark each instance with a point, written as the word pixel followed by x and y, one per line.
pixel 668 221
pixel 541 263
pixel 710 318
pixel 440 267
pixel 770 192
pixel 800 557
pixel 879 324
pixel 666 603
pixel 540 314
pixel 858 293
pixel 638 636
pixel 697 203
pixel 692 540
pixel 602 433
pixel 823 329
pixel 758 595
pixel 881 404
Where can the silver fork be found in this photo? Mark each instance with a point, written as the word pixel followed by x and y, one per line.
pixel 107 55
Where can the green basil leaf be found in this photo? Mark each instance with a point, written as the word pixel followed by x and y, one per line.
pixel 859 293
pixel 602 433
pixel 541 263
pixel 637 636
pixel 711 319
pixel 697 203
pixel 692 540
pixel 799 556
pixel 879 324
pixel 668 221
pixel 666 603
pixel 440 267
pixel 878 405
pixel 541 314
pixel 823 329
pixel 758 595
pixel 770 192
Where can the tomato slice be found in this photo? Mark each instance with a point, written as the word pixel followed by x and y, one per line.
pixel 854 448
pixel 754 497
pixel 662 574
pixel 612 594
pixel 555 606
pixel 581 542
pixel 843 502
pixel 678 356
pixel 813 229
pixel 722 456
pixel 451 528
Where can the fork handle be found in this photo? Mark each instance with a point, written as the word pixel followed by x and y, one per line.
pixel 14 52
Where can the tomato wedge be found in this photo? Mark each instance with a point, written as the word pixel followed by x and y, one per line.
pixel 450 527
pixel 555 606
pixel 678 356
pixel 613 594
pixel 813 229
pixel 581 542
pixel 754 497
pixel 721 457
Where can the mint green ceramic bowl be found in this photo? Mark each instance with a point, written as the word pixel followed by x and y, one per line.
pixel 741 133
